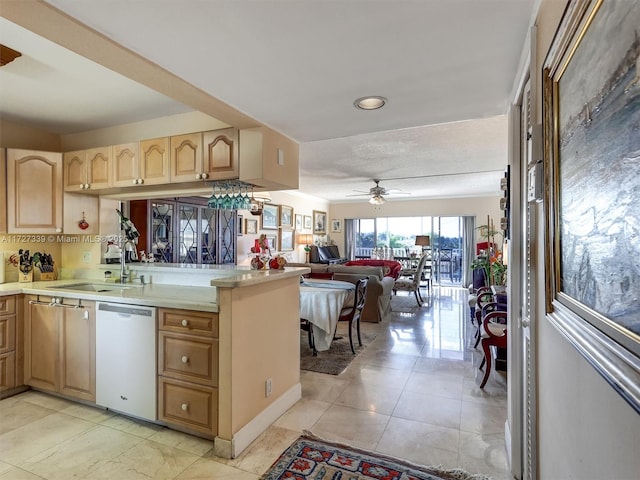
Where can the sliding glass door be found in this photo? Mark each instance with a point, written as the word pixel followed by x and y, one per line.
pixel 396 237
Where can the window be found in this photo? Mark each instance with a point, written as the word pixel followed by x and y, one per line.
pixel 399 234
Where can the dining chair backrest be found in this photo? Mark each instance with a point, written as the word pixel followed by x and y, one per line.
pixel 352 314
pixel 417 276
pixel 361 294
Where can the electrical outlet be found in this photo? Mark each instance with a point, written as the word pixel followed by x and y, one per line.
pixel 86 257
pixel 267 387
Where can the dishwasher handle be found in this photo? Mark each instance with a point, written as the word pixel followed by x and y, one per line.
pixel 126 310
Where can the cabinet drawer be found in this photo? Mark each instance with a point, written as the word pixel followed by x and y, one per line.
pixel 7 371
pixel 188 321
pixel 7 333
pixel 190 358
pixel 7 305
pixel 191 406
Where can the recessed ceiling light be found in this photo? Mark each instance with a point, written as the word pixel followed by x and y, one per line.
pixel 370 103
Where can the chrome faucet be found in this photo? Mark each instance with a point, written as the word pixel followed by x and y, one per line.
pixel 124 276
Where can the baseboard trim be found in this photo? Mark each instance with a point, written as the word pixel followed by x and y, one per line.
pixel 252 430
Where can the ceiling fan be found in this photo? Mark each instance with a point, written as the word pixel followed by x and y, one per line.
pixel 377 193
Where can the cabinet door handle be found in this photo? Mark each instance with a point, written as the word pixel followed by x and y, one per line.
pixel 198 176
pixel 87 186
pixel 185 359
pixel 140 181
pixel 184 406
pixel 135 181
pixel 185 323
pixel 205 176
pixel 58 230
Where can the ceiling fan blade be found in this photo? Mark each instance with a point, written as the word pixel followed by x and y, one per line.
pixel 363 194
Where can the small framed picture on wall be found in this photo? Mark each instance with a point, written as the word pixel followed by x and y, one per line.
pixel 298 222
pixel 286 240
pixel 250 226
pixel 336 226
pixel 319 222
pixel 307 222
pixel 286 216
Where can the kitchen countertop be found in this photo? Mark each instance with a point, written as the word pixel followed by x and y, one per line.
pixel 155 295
pixel 239 278
pixel 203 298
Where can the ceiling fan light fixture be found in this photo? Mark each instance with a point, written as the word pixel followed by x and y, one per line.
pixel 377 200
pixel 370 103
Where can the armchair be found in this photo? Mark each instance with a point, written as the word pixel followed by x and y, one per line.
pixel 413 284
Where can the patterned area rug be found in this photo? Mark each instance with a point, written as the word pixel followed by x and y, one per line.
pixel 401 302
pixel 311 458
pixel 335 360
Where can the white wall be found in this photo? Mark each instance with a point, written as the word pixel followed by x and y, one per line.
pixel 301 204
pixel 585 429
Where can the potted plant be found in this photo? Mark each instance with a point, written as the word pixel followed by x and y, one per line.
pixel 491 261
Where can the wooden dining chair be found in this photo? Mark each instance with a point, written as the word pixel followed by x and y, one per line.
pixel 307 326
pixel 494 334
pixel 352 314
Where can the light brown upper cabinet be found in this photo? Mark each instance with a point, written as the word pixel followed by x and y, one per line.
pixel 34 191
pixel 146 163
pixel 186 158
pixel 154 161
pixel 205 156
pixel 220 154
pixel 87 169
pixel 126 165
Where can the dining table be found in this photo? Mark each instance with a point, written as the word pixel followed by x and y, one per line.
pixel 320 303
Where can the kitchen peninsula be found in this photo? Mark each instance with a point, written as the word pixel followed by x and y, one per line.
pixel 248 319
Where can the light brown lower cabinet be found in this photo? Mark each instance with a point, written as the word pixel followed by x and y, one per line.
pixel 60 346
pixel 10 344
pixel 188 370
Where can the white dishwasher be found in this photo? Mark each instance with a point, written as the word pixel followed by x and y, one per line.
pixel 126 359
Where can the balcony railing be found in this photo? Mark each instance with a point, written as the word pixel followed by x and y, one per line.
pixel 446 262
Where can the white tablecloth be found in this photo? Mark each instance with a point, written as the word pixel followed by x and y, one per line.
pixel 320 303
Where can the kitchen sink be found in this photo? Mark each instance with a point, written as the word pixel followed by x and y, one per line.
pixel 96 287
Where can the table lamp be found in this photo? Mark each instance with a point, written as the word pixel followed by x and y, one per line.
pixel 305 239
pixel 422 241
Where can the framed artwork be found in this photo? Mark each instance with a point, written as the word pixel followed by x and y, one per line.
pixel 591 147
pixel 307 223
pixel 319 222
pixel 286 216
pixel 240 225
pixel 336 226
pixel 286 240
pixel 250 226
pixel 298 225
pixel 270 216
pixel 272 240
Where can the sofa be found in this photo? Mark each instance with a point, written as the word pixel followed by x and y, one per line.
pixel 378 305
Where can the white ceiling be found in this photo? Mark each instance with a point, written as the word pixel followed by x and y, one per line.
pixel 447 68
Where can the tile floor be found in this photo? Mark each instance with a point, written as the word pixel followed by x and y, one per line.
pixel 413 393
